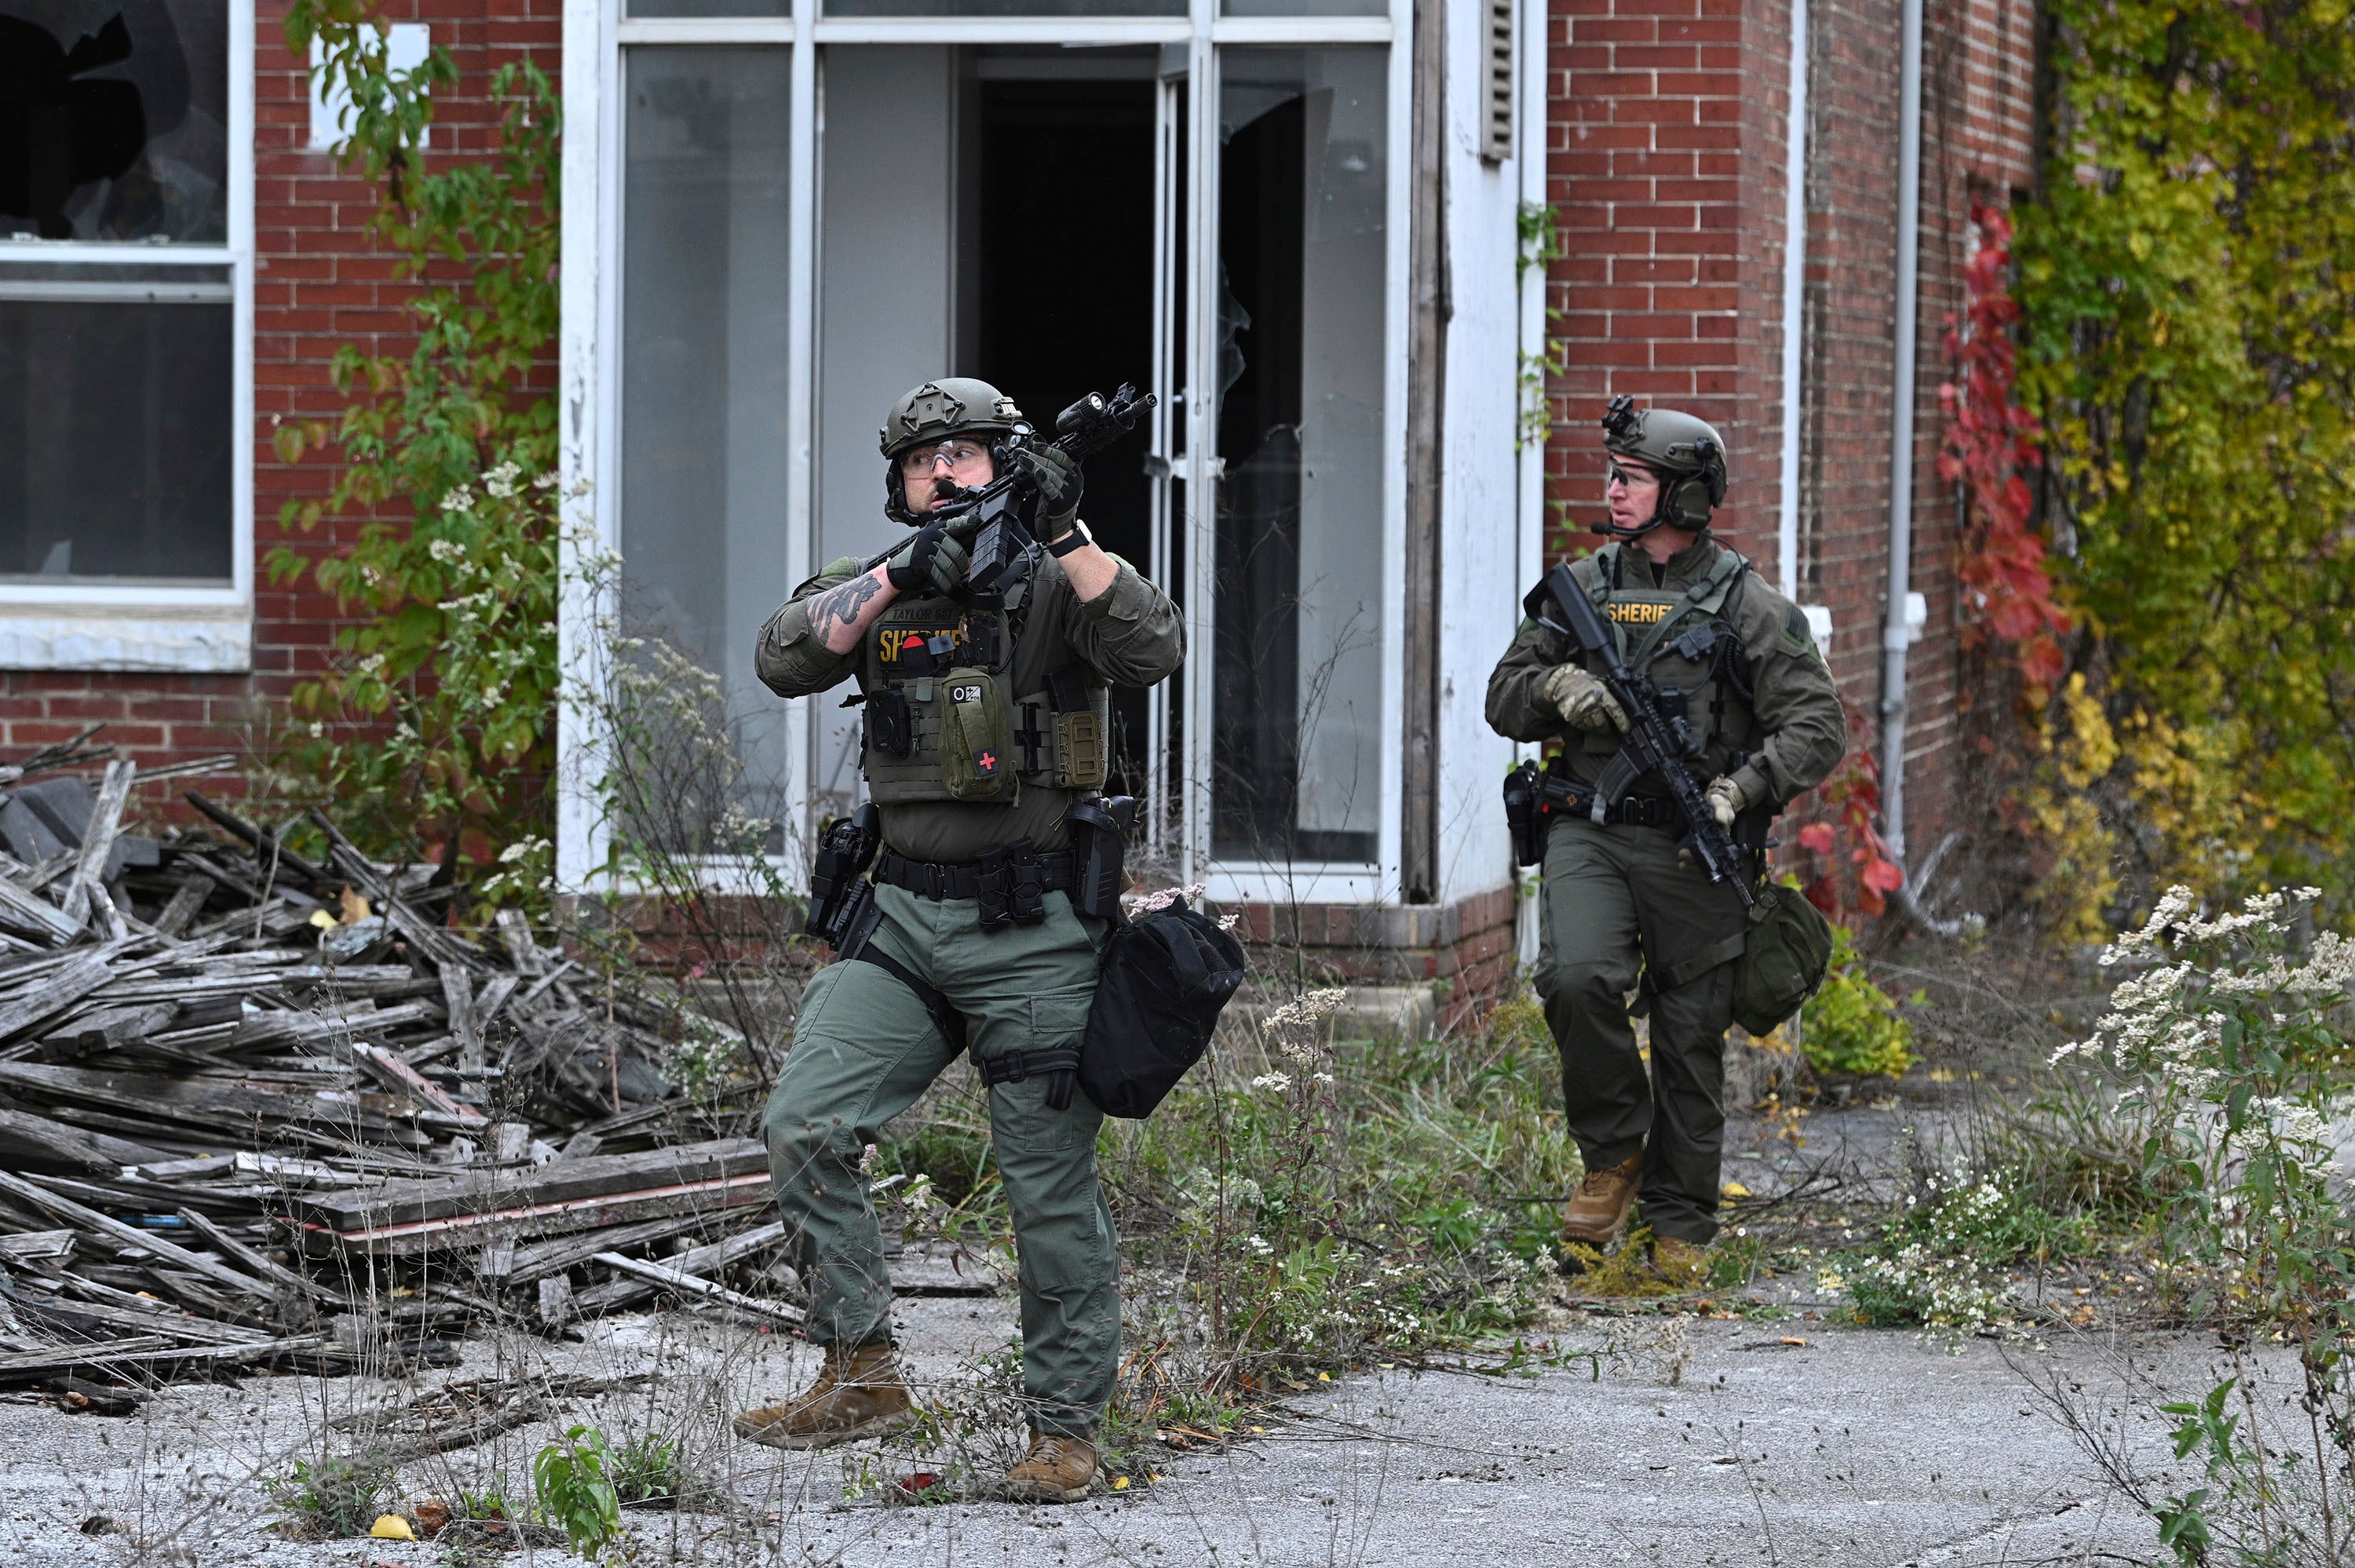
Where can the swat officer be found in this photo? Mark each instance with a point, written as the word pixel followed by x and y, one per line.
pixel 1620 904
pixel 985 720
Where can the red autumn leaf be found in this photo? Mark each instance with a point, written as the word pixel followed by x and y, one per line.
pixel 1817 836
pixel 1881 875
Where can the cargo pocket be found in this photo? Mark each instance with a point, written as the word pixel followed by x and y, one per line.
pixel 1059 1019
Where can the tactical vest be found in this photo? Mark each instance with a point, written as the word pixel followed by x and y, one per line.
pixel 1682 640
pixel 942 723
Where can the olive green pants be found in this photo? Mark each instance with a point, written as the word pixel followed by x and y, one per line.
pixel 1616 901
pixel 864 1048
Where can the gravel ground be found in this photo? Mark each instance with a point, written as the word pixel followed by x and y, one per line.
pixel 1854 1447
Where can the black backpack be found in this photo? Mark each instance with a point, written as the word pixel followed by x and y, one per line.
pixel 1164 981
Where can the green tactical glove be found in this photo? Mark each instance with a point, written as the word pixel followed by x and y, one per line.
pixel 1584 700
pixel 932 562
pixel 1726 799
pixel 1056 479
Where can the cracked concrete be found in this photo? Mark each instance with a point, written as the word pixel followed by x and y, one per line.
pixel 1854 1447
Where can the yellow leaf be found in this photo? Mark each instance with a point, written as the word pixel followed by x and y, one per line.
pixel 1120 1483
pixel 1735 1190
pixel 392 1527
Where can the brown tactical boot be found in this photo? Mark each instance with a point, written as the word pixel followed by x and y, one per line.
pixel 1682 1264
pixel 1058 1470
pixel 858 1395
pixel 1599 1212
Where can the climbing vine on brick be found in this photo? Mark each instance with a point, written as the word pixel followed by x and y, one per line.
pixel 2186 283
pixel 1988 448
pixel 438 713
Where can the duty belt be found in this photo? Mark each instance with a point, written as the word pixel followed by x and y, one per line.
pixel 934 879
pixel 1634 810
pixel 1564 797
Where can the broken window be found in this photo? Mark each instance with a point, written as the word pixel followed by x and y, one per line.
pixel 115 120
pixel 117 379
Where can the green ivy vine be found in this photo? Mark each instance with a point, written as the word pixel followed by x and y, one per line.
pixel 2186 283
pixel 434 728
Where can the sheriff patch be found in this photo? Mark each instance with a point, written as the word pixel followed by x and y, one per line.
pixel 924 647
pixel 1635 612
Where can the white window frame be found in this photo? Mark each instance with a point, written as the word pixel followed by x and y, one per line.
pixel 159 627
pixel 589 379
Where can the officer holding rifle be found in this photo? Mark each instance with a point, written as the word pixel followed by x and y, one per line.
pixel 1651 824
pixel 967 901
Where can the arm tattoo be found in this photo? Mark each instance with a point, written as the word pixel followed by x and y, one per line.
pixel 841 605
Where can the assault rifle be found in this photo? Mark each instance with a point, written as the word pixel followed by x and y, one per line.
pixel 1658 741
pixel 990 514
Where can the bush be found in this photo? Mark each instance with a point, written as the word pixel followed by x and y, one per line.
pixel 571 1480
pixel 1851 1026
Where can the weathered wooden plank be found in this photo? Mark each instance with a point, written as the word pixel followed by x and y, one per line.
pixel 687 1285
pixel 28 912
pixel 85 892
pixel 142 1352
pixel 81 1218
pixel 228 1109
pixel 603 1175
pixel 261 1264
pixel 31 1142
pixel 185 901
pixel 701 1261
pixel 528 1263
pixel 65 988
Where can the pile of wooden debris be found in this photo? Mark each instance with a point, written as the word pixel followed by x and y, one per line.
pixel 258 1109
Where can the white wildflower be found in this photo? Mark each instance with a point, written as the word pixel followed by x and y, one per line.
pixel 501 481
pixel 459 500
pixel 446 551
pixel 1275 1082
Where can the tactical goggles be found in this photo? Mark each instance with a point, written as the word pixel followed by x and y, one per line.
pixel 1630 474
pixel 918 461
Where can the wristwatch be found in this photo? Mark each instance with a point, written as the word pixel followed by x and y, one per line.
pixel 1077 537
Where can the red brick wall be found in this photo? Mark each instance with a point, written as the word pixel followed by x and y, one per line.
pixel 318 284
pixel 1664 157
pixel 1666 164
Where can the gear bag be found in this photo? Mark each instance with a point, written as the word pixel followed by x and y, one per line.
pixel 1164 981
pixel 1785 952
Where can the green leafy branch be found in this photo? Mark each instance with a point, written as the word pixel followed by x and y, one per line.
pixel 438 711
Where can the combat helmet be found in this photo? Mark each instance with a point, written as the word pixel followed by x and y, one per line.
pixel 1688 452
pixel 936 411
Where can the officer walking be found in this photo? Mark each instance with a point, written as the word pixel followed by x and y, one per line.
pixel 986 720
pixel 1621 906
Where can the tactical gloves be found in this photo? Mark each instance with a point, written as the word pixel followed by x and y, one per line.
pixel 1584 700
pixel 1726 799
pixel 932 562
pixel 1058 480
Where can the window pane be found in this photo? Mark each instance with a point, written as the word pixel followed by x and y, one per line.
pixel 1005 8
pixel 119 124
pixel 114 424
pixel 1297 710
pixel 710 7
pixel 1304 7
pixel 703 374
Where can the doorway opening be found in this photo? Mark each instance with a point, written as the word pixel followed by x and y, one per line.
pixel 1056 284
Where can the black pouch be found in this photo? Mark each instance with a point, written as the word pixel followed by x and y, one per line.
pixel 991 891
pixel 1026 885
pixel 1164 981
pixel 1521 814
pixel 1099 849
pixel 889 723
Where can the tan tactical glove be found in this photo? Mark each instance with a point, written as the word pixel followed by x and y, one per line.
pixel 1726 799
pixel 1584 700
